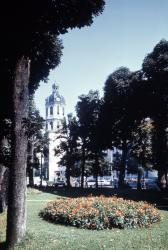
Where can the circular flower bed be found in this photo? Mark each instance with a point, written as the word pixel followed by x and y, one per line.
pixel 101 212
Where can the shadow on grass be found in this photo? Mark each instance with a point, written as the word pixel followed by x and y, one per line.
pixel 158 198
pixel 2 245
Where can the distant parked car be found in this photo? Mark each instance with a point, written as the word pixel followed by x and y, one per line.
pixel 91 183
pixel 59 183
pixel 132 183
pixel 104 182
pixel 101 182
pixel 151 183
pixel 50 183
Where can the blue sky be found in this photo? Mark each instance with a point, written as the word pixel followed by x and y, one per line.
pixel 122 36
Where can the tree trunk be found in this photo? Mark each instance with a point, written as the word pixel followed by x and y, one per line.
pixel 166 177
pixel 122 166
pixel 139 187
pixel 16 218
pixel 139 178
pixel 96 176
pixel 160 149
pixel 83 167
pixel 30 168
pixel 41 169
pixel 31 177
pixel 68 176
pixel 4 174
pixel 96 170
pixel 162 178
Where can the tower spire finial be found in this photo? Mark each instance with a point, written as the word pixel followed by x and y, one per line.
pixel 55 87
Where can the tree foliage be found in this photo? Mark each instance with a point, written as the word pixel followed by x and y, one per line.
pixel 68 147
pixel 131 97
pixel 29 29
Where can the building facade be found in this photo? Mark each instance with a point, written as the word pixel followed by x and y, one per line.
pixel 55 114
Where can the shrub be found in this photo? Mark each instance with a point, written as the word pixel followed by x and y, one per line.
pixel 100 212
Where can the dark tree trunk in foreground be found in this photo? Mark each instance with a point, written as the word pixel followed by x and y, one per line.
pixel 122 165
pixel 16 219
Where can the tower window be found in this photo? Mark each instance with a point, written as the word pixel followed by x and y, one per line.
pixel 46 111
pixel 46 125
pixel 57 109
pixel 51 110
pixel 51 124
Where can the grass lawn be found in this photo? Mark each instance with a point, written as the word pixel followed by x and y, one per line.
pixel 45 235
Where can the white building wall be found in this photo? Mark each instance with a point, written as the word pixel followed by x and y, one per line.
pixel 53 162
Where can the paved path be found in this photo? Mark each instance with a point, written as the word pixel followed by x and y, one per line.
pixel 40 200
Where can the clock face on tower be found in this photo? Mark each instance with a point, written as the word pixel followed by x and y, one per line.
pixel 58 99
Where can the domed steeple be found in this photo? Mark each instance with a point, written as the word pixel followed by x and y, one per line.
pixel 55 109
pixel 55 97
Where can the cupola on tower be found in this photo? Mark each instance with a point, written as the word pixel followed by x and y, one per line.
pixel 55 110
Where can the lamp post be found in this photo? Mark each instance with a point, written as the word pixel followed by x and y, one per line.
pixel 41 167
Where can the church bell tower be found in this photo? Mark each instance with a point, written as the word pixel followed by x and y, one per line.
pixel 55 114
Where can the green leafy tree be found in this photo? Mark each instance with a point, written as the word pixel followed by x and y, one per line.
pixel 29 36
pixel 89 132
pixel 140 149
pixel 95 145
pixel 68 147
pixel 132 97
pixel 34 125
pixel 155 67
pixel 141 144
pixel 118 114
pixel 16 76
pixel 83 119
